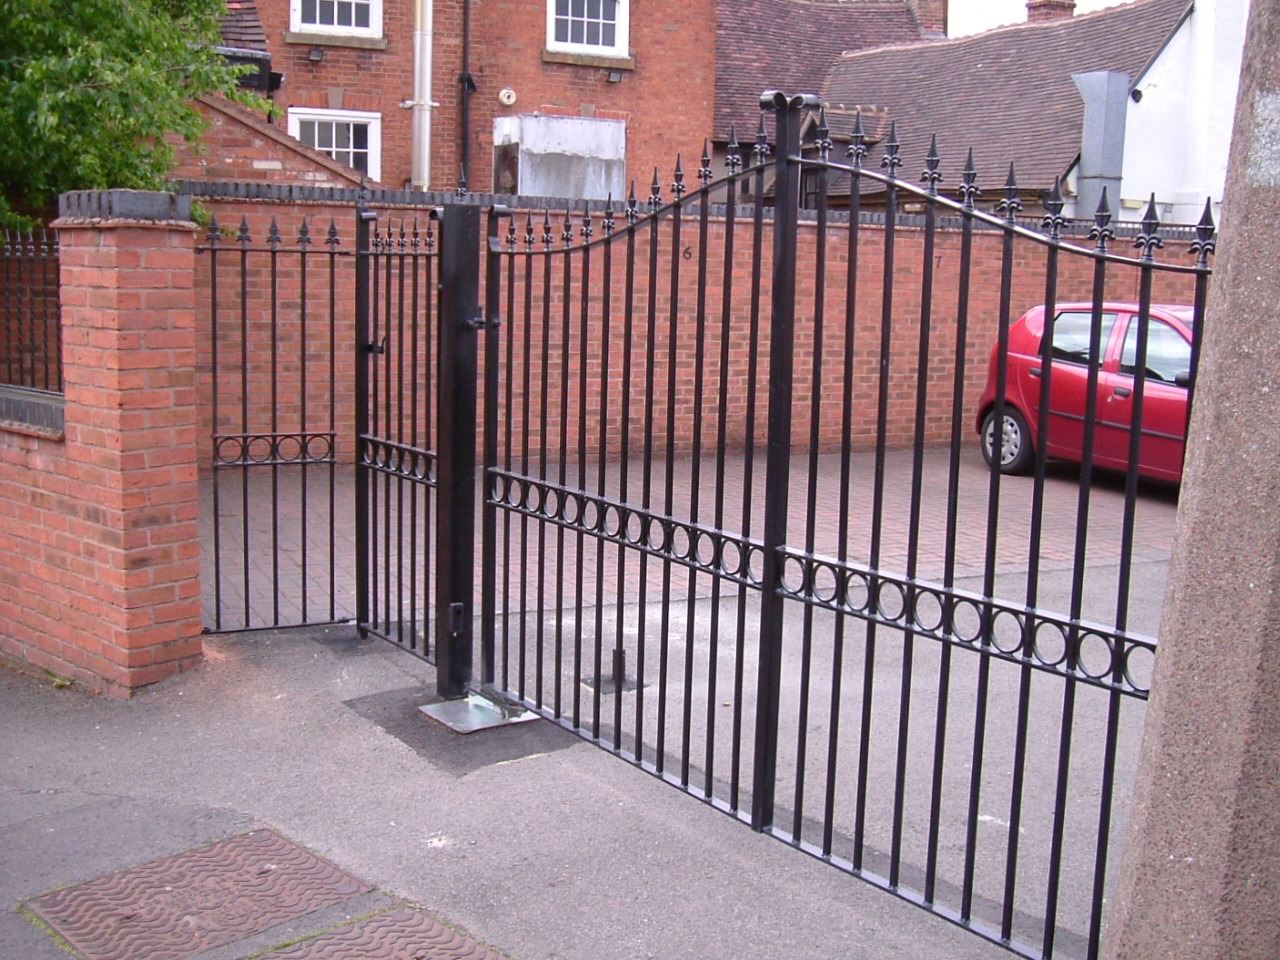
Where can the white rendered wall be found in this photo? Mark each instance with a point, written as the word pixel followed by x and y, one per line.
pixel 1177 135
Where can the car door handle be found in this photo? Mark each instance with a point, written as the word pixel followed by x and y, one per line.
pixel 1122 392
pixel 1036 372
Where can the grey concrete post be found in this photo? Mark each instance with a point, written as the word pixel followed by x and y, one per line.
pixel 1201 875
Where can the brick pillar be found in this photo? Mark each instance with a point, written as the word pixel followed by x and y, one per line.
pixel 128 315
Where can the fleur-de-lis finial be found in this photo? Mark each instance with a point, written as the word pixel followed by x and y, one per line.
pixel 1148 239
pixel 704 168
pixel 931 176
pixel 529 237
pixel 1010 205
pixel 761 149
pixel 655 192
pixel 586 232
pixel 1101 232
pixel 331 238
pixel 857 142
pixel 608 222
pixel 969 183
pixel 1054 221
pixel 678 188
pixel 734 158
pixel 304 235
pixel 633 205
pixel 891 161
pixel 1204 243
pixel 822 136
pixel 548 238
pixel 242 237
pixel 214 235
pixel 566 235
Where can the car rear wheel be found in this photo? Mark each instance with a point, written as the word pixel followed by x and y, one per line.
pixel 1016 453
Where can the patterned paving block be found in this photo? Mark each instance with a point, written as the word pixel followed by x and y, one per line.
pixel 194 901
pixel 400 934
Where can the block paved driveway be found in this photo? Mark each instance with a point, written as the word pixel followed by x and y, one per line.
pixel 300 561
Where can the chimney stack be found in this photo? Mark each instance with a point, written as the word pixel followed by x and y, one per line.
pixel 932 17
pixel 1040 10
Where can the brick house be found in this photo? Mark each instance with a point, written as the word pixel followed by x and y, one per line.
pixel 563 97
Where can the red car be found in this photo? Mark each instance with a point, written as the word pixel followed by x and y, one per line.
pixel 1164 409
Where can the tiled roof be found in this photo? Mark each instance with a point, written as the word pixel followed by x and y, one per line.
pixel 1007 93
pixel 242 27
pixel 789 45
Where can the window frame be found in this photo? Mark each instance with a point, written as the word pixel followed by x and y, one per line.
pixel 374 30
pixel 619 50
pixel 372 118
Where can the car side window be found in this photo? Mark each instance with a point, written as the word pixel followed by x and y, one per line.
pixel 1071 335
pixel 1168 352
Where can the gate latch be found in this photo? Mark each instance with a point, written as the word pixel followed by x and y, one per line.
pixel 481 322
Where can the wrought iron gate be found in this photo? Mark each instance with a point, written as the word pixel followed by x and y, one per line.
pixel 737 528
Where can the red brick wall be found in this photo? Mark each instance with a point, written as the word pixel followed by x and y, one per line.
pixel 351 78
pixel 99 541
pixel 242 146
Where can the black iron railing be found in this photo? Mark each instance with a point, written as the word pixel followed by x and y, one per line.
pixel 30 323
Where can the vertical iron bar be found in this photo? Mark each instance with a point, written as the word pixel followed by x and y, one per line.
pixel 566 319
pixel 273 242
pixel 414 372
pixel 722 428
pixel 332 243
pixel 606 345
pixel 580 544
pixel 401 433
pixel 748 463
pixel 913 524
pixel 243 239
pixel 695 483
pixel 668 497
pixel 811 491
pixel 366 222
pixel 856 151
pixel 787 113
pixel 489 518
pixel 890 161
pixel 216 479
pixel 624 468
pixel 304 468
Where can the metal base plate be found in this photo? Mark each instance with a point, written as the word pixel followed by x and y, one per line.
pixel 476 712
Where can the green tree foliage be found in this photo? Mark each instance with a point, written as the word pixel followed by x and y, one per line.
pixel 90 89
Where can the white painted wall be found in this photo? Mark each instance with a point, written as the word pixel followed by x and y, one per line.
pixel 1177 135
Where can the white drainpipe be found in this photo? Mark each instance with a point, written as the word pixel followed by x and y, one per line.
pixel 422 43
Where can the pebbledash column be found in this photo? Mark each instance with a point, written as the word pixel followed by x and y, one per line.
pixel 129 355
pixel 1201 875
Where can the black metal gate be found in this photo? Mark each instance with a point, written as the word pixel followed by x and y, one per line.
pixel 738 530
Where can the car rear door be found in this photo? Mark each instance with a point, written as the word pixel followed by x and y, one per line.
pixel 1164 404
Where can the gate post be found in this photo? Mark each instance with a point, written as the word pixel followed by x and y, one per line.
pixel 456 447
pixel 788 111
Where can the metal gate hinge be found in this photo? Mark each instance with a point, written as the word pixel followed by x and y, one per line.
pixel 481 323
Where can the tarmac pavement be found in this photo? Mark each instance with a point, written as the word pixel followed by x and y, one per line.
pixel 533 841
